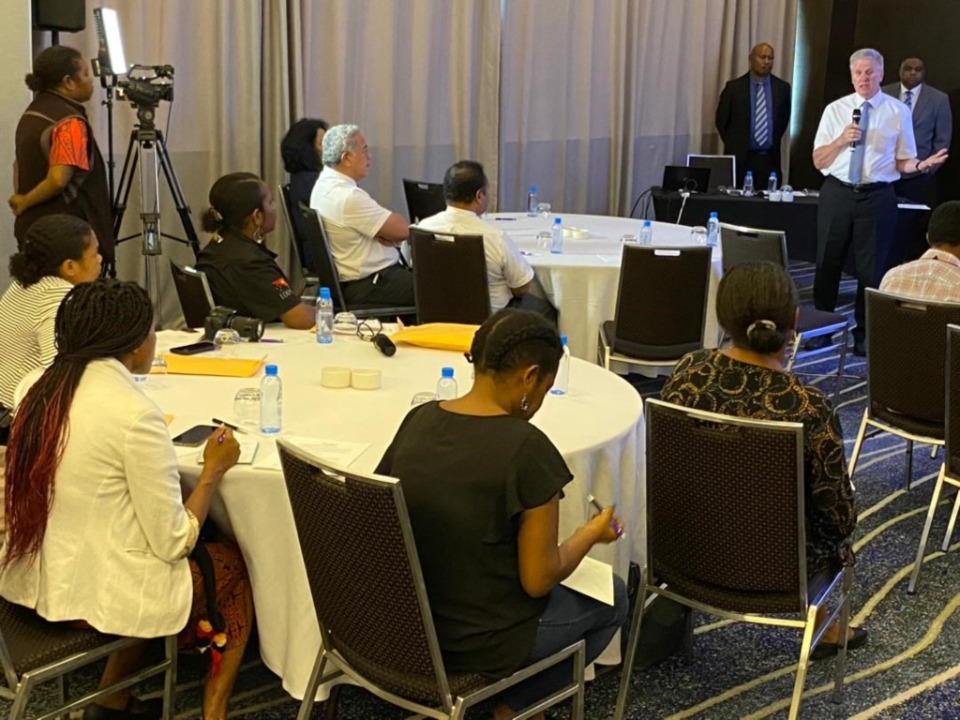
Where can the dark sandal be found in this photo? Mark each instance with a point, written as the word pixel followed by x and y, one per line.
pixel 828 650
pixel 136 709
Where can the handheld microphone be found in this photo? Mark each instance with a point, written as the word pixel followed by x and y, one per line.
pixel 856 119
pixel 385 345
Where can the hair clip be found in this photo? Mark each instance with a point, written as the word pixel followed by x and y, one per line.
pixel 767 324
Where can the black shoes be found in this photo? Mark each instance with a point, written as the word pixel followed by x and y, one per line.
pixel 860 347
pixel 818 342
pixel 827 650
pixel 136 709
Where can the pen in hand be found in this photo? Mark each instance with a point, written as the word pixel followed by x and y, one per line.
pixel 613 523
pixel 224 423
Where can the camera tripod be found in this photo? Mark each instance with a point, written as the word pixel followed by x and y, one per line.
pixel 148 150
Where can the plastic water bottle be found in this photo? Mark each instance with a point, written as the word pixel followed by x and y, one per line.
pixel 646 233
pixel 324 317
pixel 532 202
pixel 556 237
pixel 772 182
pixel 271 401
pixel 562 380
pixel 446 385
pixel 748 184
pixel 713 230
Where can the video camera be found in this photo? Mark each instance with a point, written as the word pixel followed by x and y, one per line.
pixel 224 318
pixel 147 85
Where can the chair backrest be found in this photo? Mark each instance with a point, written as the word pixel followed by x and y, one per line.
pixel 193 289
pixel 723 169
pixel 290 217
pixel 662 301
pixel 952 450
pixel 720 530
pixel 906 350
pixel 364 573
pixel 323 257
pixel 423 199
pixel 449 277
pixel 746 245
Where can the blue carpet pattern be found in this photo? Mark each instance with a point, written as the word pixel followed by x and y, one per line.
pixel 910 669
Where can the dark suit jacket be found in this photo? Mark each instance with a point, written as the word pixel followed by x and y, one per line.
pixel 733 117
pixel 932 120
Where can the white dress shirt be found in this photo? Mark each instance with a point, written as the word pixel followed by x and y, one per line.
pixel 889 137
pixel 913 98
pixel 352 219
pixel 506 267
pixel 115 547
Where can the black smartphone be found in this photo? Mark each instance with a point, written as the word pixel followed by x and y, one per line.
pixel 194 348
pixel 195 436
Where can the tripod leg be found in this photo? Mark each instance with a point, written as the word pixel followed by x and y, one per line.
pixel 126 182
pixel 183 210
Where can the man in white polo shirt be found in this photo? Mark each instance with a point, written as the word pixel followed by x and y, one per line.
pixel 364 237
pixel 864 142
pixel 509 276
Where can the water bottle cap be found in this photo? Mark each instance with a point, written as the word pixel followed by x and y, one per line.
pixel 749 173
pixel 446 372
pixel 557 221
pixel 647 223
pixel 325 293
pixel 713 214
pixel 271 370
pixel 563 338
pixel 533 188
pixel 773 174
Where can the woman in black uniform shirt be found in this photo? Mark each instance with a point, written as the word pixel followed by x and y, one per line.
pixel 483 489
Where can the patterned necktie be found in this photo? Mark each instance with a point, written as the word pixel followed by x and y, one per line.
pixel 760 124
pixel 908 99
pixel 856 158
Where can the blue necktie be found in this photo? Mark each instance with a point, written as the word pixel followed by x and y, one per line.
pixel 760 125
pixel 856 158
pixel 908 98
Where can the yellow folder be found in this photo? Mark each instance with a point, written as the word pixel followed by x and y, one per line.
pixel 217 367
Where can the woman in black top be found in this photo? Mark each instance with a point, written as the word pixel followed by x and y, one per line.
pixel 483 489
pixel 301 149
pixel 242 272
pixel 757 307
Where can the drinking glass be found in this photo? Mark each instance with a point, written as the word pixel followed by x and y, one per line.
pixel 699 235
pixel 246 406
pixel 628 238
pixel 544 238
pixel 543 210
pixel 227 341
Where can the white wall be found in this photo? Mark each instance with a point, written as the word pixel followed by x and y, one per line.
pixel 15 39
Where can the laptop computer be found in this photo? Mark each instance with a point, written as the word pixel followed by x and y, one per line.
pixel 681 177
pixel 723 169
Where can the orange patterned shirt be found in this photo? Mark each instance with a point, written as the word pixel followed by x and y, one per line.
pixel 68 144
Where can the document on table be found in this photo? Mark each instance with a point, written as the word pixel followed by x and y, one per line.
pixel 248 449
pixel 593 579
pixel 340 453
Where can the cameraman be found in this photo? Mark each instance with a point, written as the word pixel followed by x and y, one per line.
pixel 242 272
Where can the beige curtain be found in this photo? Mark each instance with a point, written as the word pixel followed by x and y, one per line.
pixel 598 97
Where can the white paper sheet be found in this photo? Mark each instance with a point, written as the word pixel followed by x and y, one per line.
pixel 336 452
pixel 248 449
pixel 593 579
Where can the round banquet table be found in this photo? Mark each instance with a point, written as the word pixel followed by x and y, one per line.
pixel 598 427
pixel 582 282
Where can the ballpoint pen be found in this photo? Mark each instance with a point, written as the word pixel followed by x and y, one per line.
pixel 271 340
pixel 613 523
pixel 233 427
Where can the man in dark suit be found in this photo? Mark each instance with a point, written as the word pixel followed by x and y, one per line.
pixel 932 123
pixel 752 115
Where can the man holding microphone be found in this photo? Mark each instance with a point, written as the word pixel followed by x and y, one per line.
pixel 863 144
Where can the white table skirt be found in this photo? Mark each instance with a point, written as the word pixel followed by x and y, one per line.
pixel 598 428
pixel 582 282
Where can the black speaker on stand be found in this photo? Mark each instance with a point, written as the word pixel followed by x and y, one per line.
pixel 59 16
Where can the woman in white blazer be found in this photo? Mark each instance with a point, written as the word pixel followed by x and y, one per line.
pixel 97 527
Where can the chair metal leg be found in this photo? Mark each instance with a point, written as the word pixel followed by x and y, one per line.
pixel 931 511
pixel 804 661
pixel 841 365
pixel 841 662
pixel 908 465
pixel 688 638
pixel 579 659
pixel 310 694
pixel 19 709
pixel 632 642
pixel 794 349
pixel 953 518
pixel 332 702
pixel 170 678
pixel 857 445
pixel 933 451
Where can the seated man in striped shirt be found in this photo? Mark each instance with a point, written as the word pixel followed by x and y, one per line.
pixel 935 275
pixel 59 251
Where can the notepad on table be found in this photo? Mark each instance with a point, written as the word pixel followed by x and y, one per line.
pixel 214 366
pixel 592 578
pixel 248 449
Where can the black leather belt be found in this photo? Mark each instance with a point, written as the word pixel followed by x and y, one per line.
pixel 862 187
pixel 759 152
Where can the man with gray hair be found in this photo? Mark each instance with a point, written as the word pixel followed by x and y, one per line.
pixel 364 237
pixel 864 142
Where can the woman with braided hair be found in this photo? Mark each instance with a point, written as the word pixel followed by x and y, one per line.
pixel 483 488
pixel 98 531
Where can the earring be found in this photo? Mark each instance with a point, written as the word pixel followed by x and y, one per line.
pixel 258 234
pixel 524 403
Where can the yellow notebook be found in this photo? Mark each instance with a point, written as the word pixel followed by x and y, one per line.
pixel 442 336
pixel 218 367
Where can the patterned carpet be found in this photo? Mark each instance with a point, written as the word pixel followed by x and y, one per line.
pixel 909 669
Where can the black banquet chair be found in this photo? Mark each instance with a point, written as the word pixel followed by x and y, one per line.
pixel 950 470
pixel 34 651
pixel 449 277
pixel 371 601
pixel 661 306
pixel 906 347
pixel 749 571
pixel 423 199
pixel 193 290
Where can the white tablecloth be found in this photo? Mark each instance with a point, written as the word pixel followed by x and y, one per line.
pixel 582 282
pixel 598 427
